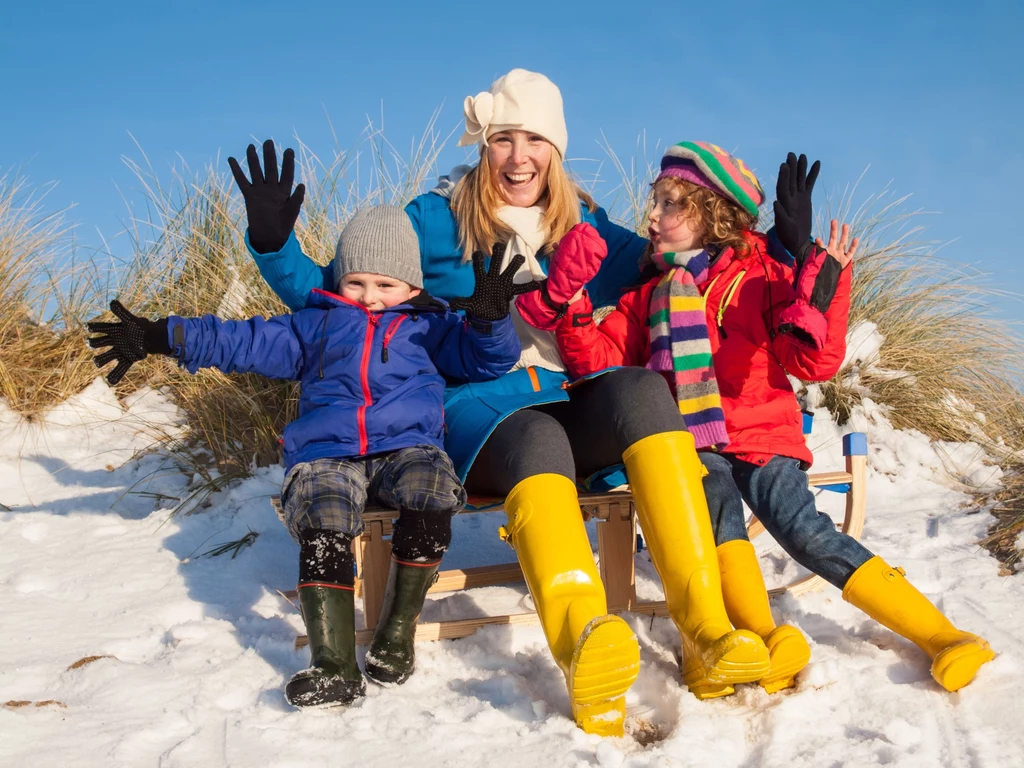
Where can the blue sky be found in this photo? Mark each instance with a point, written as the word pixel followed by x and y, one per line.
pixel 930 95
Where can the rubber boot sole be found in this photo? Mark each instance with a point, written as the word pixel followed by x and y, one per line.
pixel 388 671
pixel 738 657
pixel 957 665
pixel 789 653
pixel 605 663
pixel 315 688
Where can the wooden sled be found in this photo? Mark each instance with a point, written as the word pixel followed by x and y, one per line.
pixel 616 546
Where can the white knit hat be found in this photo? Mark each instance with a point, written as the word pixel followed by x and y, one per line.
pixel 521 100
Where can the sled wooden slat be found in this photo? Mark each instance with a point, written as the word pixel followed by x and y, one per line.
pixel 616 536
pixel 448 630
pixel 616 543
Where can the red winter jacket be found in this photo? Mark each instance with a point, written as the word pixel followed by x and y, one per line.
pixel 743 299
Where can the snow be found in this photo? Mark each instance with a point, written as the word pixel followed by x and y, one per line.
pixel 194 650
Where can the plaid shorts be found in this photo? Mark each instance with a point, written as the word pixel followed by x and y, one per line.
pixel 331 494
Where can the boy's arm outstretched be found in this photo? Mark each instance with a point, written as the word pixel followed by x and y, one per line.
pixel 268 347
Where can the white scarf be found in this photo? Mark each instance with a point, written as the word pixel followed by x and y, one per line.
pixel 539 347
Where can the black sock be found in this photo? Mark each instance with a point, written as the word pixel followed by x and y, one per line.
pixel 326 558
pixel 422 536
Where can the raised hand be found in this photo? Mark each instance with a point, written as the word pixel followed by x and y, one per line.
pixel 817 280
pixel 131 340
pixel 793 204
pixel 270 204
pixel 839 246
pixel 494 288
pixel 573 264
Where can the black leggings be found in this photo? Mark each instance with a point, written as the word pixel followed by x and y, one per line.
pixel 603 417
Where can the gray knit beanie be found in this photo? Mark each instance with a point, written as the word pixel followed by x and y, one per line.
pixel 379 240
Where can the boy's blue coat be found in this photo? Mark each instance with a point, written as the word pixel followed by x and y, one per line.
pixel 371 381
pixel 472 411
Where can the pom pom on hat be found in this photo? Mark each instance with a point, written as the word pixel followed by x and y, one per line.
pixel 712 167
pixel 521 100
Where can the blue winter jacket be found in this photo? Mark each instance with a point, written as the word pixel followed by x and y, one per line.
pixel 472 411
pixel 371 381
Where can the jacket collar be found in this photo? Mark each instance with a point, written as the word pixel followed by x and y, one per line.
pixel 758 247
pixel 422 302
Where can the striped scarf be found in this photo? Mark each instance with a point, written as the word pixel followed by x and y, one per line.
pixel 680 348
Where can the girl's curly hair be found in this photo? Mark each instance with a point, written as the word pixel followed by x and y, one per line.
pixel 722 222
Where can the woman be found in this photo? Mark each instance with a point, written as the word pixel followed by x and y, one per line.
pixel 530 434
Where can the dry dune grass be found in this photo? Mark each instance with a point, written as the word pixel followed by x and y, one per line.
pixel 948 367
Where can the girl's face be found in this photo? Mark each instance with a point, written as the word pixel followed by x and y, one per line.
pixel 672 227
pixel 519 163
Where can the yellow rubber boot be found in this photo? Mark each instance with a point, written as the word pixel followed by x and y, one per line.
pixel 746 602
pixel 597 652
pixel 665 477
pixel 884 594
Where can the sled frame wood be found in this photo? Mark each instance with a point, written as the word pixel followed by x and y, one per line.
pixel 616 537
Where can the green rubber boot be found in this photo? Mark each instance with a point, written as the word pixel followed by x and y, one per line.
pixel 333 677
pixel 392 654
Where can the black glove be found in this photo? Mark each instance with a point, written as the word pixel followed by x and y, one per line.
pixel 131 340
pixel 793 205
pixel 270 204
pixel 494 288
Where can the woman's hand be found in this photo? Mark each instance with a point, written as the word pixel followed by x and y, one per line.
pixel 131 340
pixel 839 246
pixel 578 258
pixel 793 204
pixel 494 289
pixel 270 204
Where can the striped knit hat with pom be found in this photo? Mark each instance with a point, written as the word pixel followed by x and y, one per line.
pixel 711 167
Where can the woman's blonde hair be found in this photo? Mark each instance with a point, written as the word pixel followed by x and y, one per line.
pixel 475 203
pixel 721 221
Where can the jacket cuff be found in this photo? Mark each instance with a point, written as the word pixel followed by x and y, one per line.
pixel 777 250
pixel 486 327
pixel 176 339
pixel 580 314
pixel 806 324
pixel 826 283
pixel 270 255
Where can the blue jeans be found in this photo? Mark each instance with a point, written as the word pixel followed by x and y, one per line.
pixel 778 494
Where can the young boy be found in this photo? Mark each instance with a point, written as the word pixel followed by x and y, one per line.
pixel 372 360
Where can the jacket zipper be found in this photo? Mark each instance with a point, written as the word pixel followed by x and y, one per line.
pixel 364 375
pixel 726 298
pixel 323 339
pixel 392 329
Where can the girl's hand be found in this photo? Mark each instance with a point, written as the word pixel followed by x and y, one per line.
pixel 839 246
pixel 817 280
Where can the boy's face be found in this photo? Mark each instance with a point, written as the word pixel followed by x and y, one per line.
pixel 375 291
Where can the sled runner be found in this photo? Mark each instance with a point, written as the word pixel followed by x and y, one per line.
pixel 616 546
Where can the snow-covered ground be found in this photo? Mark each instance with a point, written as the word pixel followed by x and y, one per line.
pixel 189 653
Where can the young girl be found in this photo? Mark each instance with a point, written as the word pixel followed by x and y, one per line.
pixel 724 323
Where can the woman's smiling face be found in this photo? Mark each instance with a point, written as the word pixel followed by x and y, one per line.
pixel 519 163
